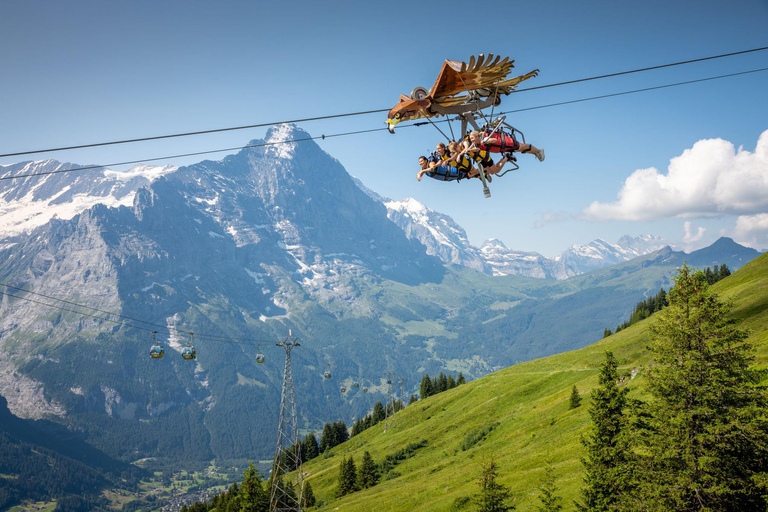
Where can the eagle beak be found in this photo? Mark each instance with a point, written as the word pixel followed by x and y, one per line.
pixel 391 125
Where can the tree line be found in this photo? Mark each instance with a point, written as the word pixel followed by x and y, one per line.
pixel 351 479
pixel 252 495
pixel 378 415
pixel 432 386
pixel 651 305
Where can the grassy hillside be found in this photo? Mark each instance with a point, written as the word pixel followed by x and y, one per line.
pixel 530 404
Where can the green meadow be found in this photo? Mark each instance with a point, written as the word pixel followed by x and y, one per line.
pixel 519 416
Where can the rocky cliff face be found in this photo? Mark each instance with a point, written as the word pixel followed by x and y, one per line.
pixel 437 232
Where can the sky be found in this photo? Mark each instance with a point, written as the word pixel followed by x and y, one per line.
pixel 686 163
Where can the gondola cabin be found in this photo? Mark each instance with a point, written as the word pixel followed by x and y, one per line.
pixel 343 389
pixel 260 358
pixel 356 385
pixel 365 389
pixel 189 352
pixel 157 351
pixel 327 374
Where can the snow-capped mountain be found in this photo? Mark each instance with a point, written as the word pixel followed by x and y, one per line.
pixel 502 261
pixel 444 238
pixel 26 203
pixel 438 232
pixel 579 259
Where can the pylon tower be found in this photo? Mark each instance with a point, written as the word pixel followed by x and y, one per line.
pixel 389 409
pixel 287 493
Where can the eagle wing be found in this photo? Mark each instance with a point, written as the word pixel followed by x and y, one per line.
pixel 481 72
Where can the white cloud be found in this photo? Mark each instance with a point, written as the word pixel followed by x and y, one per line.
pixel 550 217
pixel 711 178
pixel 690 237
pixel 752 230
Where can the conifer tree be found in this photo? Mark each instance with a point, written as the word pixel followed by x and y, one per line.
pixel 425 389
pixel 442 383
pixel 550 502
pixel 366 477
pixel 707 437
pixel 309 496
pixel 493 496
pixel 460 379
pixel 326 438
pixel 607 466
pixel 347 477
pixel 378 413
pixel 724 271
pixel 311 448
pixel 607 332
pixel 341 434
pixel 709 275
pixel 253 498
pixel 451 382
pixel 575 400
pixel 413 399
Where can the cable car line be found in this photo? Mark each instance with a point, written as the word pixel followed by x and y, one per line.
pixel 365 112
pixel 359 132
pixel 112 313
pixel 171 330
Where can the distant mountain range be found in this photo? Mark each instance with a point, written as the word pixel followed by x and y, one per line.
pixel 448 241
pixel 240 251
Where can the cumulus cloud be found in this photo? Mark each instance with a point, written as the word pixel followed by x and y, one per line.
pixel 689 237
pixel 711 178
pixel 752 230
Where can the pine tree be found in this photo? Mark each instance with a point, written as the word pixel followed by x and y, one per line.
pixel 341 434
pixel 326 438
pixel 442 383
pixel 460 379
pixel 347 477
pixel 607 332
pixel 709 276
pixel 309 496
pixel 724 271
pixel 311 448
pixel 575 398
pixel 253 498
pixel 366 477
pixel 425 389
pixel 451 382
pixel 608 465
pixel 549 501
pixel 413 399
pixel 378 413
pixel 493 496
pixel 707 437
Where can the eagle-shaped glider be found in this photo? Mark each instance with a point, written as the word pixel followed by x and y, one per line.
pixel 483 79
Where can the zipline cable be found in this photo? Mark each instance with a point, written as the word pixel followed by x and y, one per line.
pixel 359 132
pixel 611 75
pixel 366 112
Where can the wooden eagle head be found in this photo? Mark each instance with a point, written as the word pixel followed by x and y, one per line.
pixel 407 109
pixel 485 75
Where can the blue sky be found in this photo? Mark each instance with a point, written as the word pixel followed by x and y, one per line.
pixel 78 72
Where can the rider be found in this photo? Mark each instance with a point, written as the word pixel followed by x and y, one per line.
pixel 480 153
pixel 506 143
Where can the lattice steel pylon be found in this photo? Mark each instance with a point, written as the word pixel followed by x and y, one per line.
pixel 286 493
pixel 389 417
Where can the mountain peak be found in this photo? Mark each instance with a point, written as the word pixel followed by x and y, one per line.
pixel 493 242
pixel 280 140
